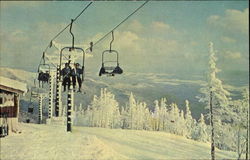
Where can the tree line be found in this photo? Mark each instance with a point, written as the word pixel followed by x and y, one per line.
pixel 225 125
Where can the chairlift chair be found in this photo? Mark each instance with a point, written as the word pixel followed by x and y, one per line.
pixel 110 67
pixel 70 49
pixel 33 94
pixel 43 72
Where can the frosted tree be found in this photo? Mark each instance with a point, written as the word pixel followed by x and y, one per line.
pixel 124 118
pixel 246 105
pixel 215 97
pixel 181 123
pixel 163 113
pixel 104 111
pixel 132 111
pixel 201 130
pixel 147 119
pixel 140 115
pixel 156 116
pixel 239 121
pixel 173 115
pixel 190 122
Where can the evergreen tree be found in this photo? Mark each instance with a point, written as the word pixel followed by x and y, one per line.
pixel 104 111
pixel 173 115
pixel 238 118
pixel 190 122
pixel 201 130
pixel 132 111
pixel 215 98
pixel 163 113
pixel 156 116
pixel 182 128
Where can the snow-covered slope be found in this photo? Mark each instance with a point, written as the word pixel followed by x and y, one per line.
pixel 17 74
pixel 40 142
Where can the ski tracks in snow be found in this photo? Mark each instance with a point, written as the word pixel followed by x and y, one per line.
pixel 43 142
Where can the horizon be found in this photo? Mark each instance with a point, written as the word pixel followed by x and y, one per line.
pixel 172 40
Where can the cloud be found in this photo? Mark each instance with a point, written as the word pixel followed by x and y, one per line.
pixel 233 21
pixel 157 25
pixel 13 40
pixel 48 30
pixel 127 39
pixel 232 55
pixel 227 39
pixel 135 26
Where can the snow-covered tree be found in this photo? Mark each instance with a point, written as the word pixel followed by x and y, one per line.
pixel 104 111
pixel 201 130
pixel 190 122
pixel 156 116
pixel 173 116
pixel 163 114
pixel 215 98
pixel 181 123
pixel 238 118
pixel 132 111
pixel 137 111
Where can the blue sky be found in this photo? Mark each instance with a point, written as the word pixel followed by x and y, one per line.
pixel 164 36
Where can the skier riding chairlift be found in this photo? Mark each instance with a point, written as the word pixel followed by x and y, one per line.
pixel 43 73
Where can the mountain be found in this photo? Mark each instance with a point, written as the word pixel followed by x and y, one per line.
pixel 38 141
pixel 18 74
pixel 146 87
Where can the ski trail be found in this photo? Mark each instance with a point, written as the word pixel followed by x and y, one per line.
pixel 38 142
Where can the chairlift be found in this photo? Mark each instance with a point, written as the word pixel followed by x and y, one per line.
pixel 71 50
pixel 110 67
pixel 43 72
pixel 33 94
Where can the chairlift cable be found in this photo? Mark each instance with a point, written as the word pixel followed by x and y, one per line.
pixel 118 25
pixel 64 30
pixel 68 25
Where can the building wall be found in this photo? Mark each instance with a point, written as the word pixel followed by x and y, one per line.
pixel 9 110
pixel 8 105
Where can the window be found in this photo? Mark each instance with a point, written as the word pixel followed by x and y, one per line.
pixel 1 100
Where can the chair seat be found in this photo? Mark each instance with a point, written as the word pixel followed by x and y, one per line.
pixel 109 68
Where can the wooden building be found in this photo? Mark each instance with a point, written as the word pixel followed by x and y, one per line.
pixel 10 92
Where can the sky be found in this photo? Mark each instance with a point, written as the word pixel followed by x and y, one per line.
pixel 162 37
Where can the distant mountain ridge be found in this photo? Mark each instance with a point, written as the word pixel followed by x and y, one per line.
pixel 146 87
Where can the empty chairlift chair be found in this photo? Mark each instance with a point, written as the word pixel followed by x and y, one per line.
pixel 110 67
pixel 33 94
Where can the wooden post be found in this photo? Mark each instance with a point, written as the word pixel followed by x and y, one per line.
pixel 212 126
pixel 58 104
pixel 40 113
pixel 70 105
pixel 51 95
pixel 247 139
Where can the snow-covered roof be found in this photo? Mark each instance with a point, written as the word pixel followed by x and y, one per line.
pixel 13 84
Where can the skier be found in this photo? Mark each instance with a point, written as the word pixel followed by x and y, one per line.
pixel 66 73
pixel 76 75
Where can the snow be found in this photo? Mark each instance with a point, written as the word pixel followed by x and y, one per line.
pixel 39 141
pixel 13 84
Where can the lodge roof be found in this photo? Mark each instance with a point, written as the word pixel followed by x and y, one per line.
pixel 13 86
